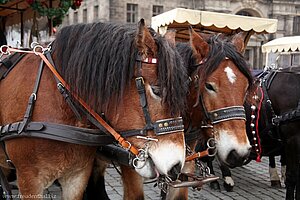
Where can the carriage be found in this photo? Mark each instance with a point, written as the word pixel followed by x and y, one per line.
pixel 282 52
pixel 211 22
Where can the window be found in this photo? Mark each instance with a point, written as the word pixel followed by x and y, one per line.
pixel 243 13
pixel 296 25
pixel 156 10
pixel 296 59
pixel 96 12
pixel 132 12
pixel 75 20
pixel 84 13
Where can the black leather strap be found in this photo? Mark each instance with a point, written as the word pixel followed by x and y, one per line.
pixel 63 90
pixel 116 153
pixel 7 64
pixel 32 98
pixel 59 132
pixel 143 100
pixel 227 113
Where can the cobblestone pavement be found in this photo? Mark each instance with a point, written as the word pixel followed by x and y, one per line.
pixel 251 183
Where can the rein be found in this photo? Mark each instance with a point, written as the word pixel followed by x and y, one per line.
pixel 124 143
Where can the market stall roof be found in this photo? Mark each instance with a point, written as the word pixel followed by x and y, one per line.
pixel 283 44
pixel 181 18
pixel 12 7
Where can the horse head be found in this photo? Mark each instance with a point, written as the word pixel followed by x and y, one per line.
pixel 134 77
pixel 219 83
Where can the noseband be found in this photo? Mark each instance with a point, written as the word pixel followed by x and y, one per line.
pixel 223 114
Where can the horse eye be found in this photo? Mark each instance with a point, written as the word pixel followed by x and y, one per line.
pixel 209 87
pixel 156 90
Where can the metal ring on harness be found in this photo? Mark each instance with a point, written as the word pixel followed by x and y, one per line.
pixel 33 44
pixel 36 47
pixel 140 157
pixel 211 146
pixel 4 49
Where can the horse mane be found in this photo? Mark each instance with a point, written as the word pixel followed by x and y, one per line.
pixel 187 56
pixel 97 60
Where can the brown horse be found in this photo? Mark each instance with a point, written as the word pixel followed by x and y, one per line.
pixel 219 82
pixel 106 65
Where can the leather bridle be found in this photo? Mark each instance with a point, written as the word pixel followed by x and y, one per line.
pixel 160 127
pixel 219 115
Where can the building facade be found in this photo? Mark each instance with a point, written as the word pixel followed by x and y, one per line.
pixel 286 11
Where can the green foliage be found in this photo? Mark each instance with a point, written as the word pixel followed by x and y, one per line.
pixel 59 11
pixel 56 13
pixel 3 1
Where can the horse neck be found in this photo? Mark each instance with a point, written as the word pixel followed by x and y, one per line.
pixel 18 86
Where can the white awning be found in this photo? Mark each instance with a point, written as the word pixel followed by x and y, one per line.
pixel 283 44
pixel 181 18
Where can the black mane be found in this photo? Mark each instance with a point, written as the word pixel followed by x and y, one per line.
pixel 97 60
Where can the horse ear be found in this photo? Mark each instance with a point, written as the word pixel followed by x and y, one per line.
pixel 170 37
pixel 238 40
pixel 144 40
pixel 199 45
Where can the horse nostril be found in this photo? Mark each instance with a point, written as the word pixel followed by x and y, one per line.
pixel 234 159
pixel 175 171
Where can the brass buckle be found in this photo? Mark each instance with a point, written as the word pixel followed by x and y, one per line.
pixel 140 79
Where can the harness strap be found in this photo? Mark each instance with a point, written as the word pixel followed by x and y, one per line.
pixel 203 107
pixel 32 99
pixel 124 143
pixel 63 91
pixel 60 132
pixel 8 64
pixel 143 100
pixel 287 117
pixel 116 153
pixel 227 113
pixel 197 155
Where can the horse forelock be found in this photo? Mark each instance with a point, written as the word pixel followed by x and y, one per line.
pixel 219 50
pixel 97 61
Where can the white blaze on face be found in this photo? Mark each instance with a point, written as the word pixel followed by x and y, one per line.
pixel 230 75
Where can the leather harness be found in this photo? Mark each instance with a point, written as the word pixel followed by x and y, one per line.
pixel 83 135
